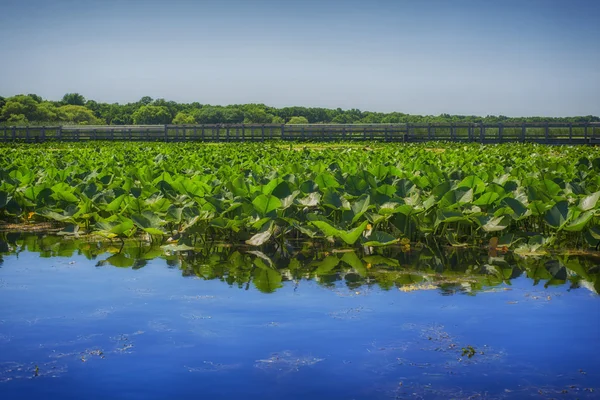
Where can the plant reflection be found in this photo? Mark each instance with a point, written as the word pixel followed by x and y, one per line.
pixel 450 270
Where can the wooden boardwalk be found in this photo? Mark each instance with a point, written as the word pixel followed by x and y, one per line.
pixel 546 133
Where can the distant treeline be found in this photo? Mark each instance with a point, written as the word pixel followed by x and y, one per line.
pixel 32 109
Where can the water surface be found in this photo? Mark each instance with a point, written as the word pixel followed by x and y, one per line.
pixel 81 319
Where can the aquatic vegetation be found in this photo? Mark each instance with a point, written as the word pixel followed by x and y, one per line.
pixel 468 351
pixel 524 196
pixel 10 371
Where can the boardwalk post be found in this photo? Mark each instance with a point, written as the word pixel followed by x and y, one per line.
pixel 547 133
pixel 385 134
pixel 482 132
pixel 429 131
pixel 112 134
pixel 323 134
pixel 129 134
pixel 282 131
pixel 227 134
pixel 302 134
pixel 585 132
pixel 252 133
pixel 202 132
pixel 166 134
pixel 243 133
pixel 262 133
pixel 43 134
pixel 570 133
pixel 500 131
pixel 364 133
pixel 523 130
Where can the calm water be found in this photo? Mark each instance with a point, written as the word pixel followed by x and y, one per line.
pixel 79 320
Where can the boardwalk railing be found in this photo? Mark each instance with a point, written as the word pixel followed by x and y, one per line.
pixel 547 133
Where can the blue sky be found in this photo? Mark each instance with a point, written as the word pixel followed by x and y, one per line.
pixel 516 58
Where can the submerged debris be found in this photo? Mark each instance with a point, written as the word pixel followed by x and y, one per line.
pixel 195 316
pixel 286 361
pixel 350 313
pixel 87 354
pixel 210 366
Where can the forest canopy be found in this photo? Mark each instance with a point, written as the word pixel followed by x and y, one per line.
pixel 73 108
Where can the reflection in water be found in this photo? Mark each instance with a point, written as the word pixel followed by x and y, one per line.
pixel 449 270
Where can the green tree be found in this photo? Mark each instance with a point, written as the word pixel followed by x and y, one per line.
pixel 17 119
pixel 257 115
pixel 46 112
pixel 19 105
pixel 184 119
pixel 152 115
pixel 74 99
pixel 33 108
pixel 298 120
pixel 36 98
pixel 342 119
pixel 171 106
pixel 208 115
pixel 77 115
pixel 146 100
pixel 233 116
pixel 371 118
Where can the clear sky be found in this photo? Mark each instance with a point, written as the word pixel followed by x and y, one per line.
pixel 509 57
